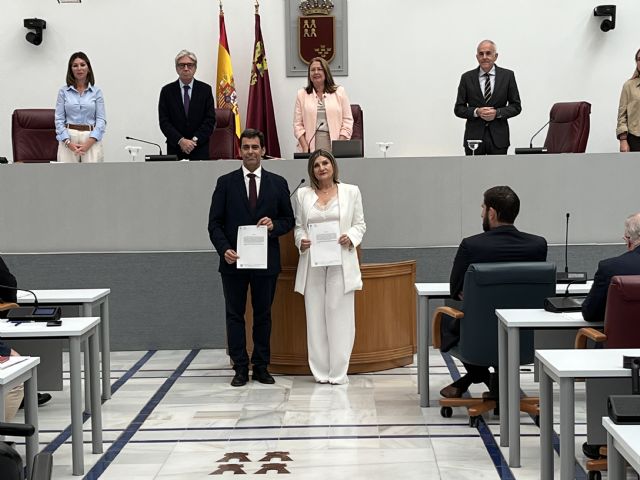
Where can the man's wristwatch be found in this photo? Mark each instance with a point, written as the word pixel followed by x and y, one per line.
pixel 67 142
pixel 195 139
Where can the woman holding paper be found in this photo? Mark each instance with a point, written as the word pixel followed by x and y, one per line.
pixel 328 288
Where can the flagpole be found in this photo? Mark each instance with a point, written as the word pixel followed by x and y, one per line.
pixel 257 6
pixel 221 12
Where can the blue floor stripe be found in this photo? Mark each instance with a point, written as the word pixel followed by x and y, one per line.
pixel 117 446
pixel 66 433
pixel 580 473
pixel 501 464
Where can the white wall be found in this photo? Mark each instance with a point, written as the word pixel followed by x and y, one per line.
pixel 405 61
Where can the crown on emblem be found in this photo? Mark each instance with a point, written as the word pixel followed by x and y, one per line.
pixel 316 7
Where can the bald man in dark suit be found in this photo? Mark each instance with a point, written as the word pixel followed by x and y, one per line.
pixel 487 97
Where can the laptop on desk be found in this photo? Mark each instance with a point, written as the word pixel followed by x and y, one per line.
pixel 347 148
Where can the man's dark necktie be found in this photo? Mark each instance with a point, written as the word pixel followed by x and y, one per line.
pixel 186 99
pixel 487 87
pixel 253 191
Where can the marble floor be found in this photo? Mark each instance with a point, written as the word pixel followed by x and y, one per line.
pixel 174 416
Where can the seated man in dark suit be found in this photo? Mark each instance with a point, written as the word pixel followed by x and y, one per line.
pixel 626 264
pixel 593 307
pixel 500 242
pixel 186 111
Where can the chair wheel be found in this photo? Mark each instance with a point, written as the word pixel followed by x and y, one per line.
pixel 446 412
pixel 536 420
pixel 473 421
pixel 594 475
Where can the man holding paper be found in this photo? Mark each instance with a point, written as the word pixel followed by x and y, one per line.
pixel 329 226
pixel 250 209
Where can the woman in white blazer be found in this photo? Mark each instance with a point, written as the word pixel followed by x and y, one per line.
pixel 323 112
pixel 329 291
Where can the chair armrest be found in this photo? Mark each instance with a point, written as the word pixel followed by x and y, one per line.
pixel 589 333
pixel 7 306
pixel 437 320
pixel 17 429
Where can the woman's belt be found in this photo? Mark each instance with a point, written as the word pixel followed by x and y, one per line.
pixel 82 128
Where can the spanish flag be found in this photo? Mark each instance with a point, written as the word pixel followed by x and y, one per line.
pixel 225 86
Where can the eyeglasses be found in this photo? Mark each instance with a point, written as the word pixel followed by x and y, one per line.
pixel 186 65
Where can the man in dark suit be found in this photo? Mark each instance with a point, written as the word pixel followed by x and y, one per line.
pixel 249 196
pixel 186 111
pixel 7 295
pixel 487 97
pixel 500 242
pixel 628 263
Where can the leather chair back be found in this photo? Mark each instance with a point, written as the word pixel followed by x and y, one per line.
pixel 358 125
pixel 568 128
pixel 489 286
pixel 622 315
pixel 33 134
pixel 223 139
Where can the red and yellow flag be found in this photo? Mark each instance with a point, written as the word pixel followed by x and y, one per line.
pixel 225 86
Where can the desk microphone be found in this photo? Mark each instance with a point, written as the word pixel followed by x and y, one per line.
pixel 15 289
pixel 532 149
pixel 314 136
pixel 296 189
pixel 535 134
pixel 566 276
pixel 32 314
pixel 144 141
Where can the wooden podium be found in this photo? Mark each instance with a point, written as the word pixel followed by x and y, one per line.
pixel 385 317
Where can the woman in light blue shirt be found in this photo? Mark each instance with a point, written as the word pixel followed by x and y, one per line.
pixel 80 115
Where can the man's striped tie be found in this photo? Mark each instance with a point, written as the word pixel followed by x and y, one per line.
pixel 487 87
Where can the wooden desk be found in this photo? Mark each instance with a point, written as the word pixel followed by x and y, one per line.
pixel 384 309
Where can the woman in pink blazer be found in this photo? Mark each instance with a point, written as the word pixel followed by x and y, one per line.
pixel 323 111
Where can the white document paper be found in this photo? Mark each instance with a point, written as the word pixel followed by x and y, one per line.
pixel 325 249
pixel 252 246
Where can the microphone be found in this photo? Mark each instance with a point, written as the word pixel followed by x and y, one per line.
pixel 314 136
pixel 532 149
pixel 35 299
pixel 51 315
pixel 144 141
pixel 296 189
pixel 566 277
pixel 535 134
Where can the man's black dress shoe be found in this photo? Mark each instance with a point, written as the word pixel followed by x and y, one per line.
pixel 452 392
pixel 42 399
pixel 591 450
pixel 263 376
pixel 240 378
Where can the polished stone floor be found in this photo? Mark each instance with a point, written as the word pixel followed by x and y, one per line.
pixel 174 416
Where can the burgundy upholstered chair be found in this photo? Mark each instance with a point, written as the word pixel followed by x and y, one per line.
pixel 223 138
pixel 33 134
pixel 621 326
pixel 358 125
pixel 568 128
pixel 621 330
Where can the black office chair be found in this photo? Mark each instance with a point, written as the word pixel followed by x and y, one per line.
pixel 11 465
pixel 487 287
